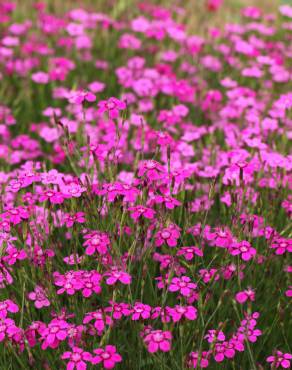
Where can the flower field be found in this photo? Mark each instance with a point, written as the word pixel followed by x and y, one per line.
pixel 146 177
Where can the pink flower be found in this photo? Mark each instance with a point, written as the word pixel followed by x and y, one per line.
pixel 208 275
pixel 281 245
pixel 54 333
pixel 16 215
pixel 7 328
pixel 151 169
pixel 168 235
pixel 288 292
pixel 158 340
pixel 244 249
pixel 193 360
pixel 119 310
pixel 112 106
pixel 55 197
pixel 14 255
pixel 100 320
pixel 108 357
pixel 214 336
pixel 243 296
pixel 182 284
pixel 141 311
pixel 76 358
pixel 7 306
pixel 178 312
pixel 280 359
pixel 116 275
pixel 190 252
pixel 91 281
pixel 40 77
pixel 138 211
pixel 79 97
pixel 70 219
pixel 96 241
pixel 40 297
pixel 169 202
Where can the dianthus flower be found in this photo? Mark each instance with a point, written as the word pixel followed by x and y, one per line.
pixel 141 311
pixel 7 306
pixel 208 275
pixel 116 275
pixel 79 97
pixel 96 241
pixel 70 219
pixel 119 310
pixel 100 320
pixel 168 201
pixel 193 360
pixel 168 235
pixel 40 297
pixel 243 296
pixel 152 170
pixel 280 359
pixel 108 357
pixel 179 312
pixel 112 106
pixel 76 358
pixel 7 328
pixel 281 245
pixel 138 211
pixel 13 255
pixel 190 252
pixel 54 333
pixel 182 284
pixel 244 249
pixel 158 340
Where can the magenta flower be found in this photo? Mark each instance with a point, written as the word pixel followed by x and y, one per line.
pixel 54 333
pixel 40 77
pixel 69 283
pixel 169 202
pixel 138 211
pixel 208 275
pixel 158 340
pixel 91 281
pixel 116 275
pixel 77 358
pixel 79 97
pixel 55 197
pixel 119 310
pixel 100 320
pixel 112 106
pixel 168 235
pixel 108 357
pixel 141 311
pixel 14 255
pixel 190 252
pixel 152 170
pixel 193 360
pixel 242 297
pixel 280 359
pixel 40 297
pixel 70 219
pixel 16 215
pixel 214 336
pixel 244 249
pixel 96 242
pixel 281 245
pixel 7 328
pixel 183 284
pixel 179 312
pixel 7 306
